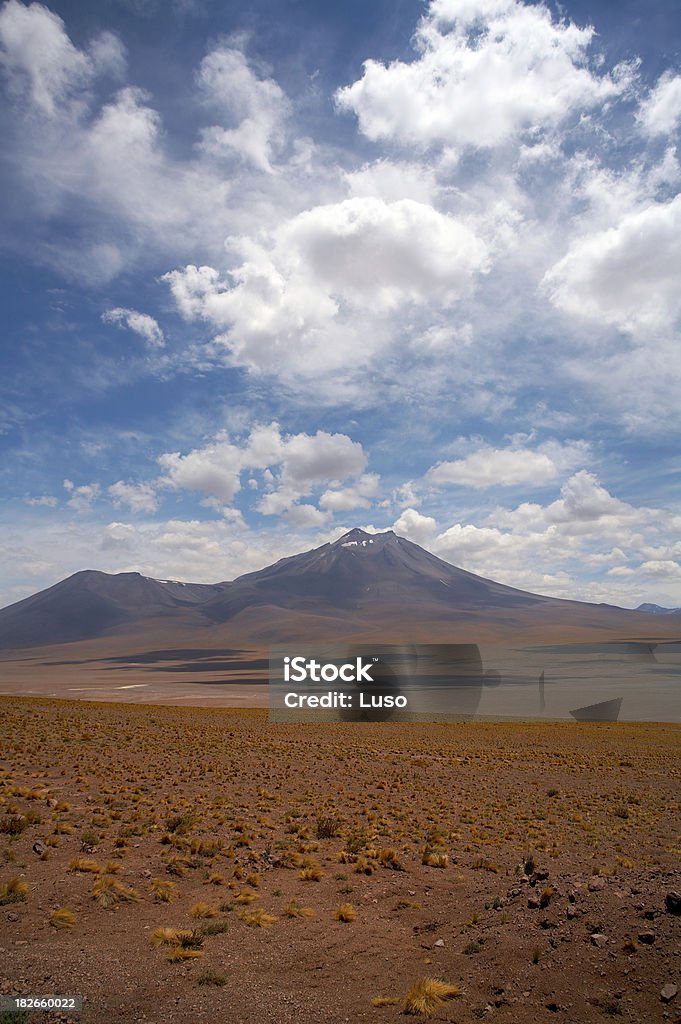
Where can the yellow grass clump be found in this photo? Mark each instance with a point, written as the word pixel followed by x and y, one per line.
pixel 108 891
pixel 428 995
pixel 294 909
pixel 204 910
pixel 62 918
pixel 247 897
pixel 85 864
pixel 13 891
pixel 162 891
pixel 345 912
pixel 257 918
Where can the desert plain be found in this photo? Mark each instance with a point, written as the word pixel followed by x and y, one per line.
pixel 184 864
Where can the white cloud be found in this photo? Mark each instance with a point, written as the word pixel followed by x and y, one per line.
pixel 140 323
pixel 346 499
pixel 507 467
pixel 294 300
pixel 660 112
pixel 627 275
pixel 391 180
pixel 415 527
pixel 137 497
pixel 213 470
pixel 257 105
pixel 293 465
pixel 82 497
pixel 484 73
pixel 46 500
pixel 304 516
pixel 39 57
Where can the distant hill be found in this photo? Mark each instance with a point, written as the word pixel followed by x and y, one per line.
pixel 656 609
pixel 91 604
pixel 378 585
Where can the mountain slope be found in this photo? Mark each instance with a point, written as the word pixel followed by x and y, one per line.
pixel 378 585
pixel 361 571
pixel 90 603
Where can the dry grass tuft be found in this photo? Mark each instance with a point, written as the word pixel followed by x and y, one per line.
pixel 162 891
pixel 386 1001
pixel 345 912
pixel 62 918
pixel 313 873
pixel 257 918
pixel 294 909
pixel 85 864
pixel 108 891
pixel 435 857
pixel 428 995
pixel 13 891
pixel 179 953
pixel 247 897
pixel 204 910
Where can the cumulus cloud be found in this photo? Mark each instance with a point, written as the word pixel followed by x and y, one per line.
pixel 137 497
pixel 345 499
pixel 258 106
pixel 484 72
pixel 292 467
pixel 660 112
pixel 140 323
pixel 627 275
pixel 415 526
pixel 506 467
pixel 288 302
pixel 561 548
pixel 82 497
pixel 213 470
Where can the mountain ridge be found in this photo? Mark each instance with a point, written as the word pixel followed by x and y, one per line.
pixel 377 582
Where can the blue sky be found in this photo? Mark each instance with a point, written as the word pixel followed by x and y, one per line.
pixel 270 273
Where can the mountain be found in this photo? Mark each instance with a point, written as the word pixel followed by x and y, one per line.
pixel 377 585
pixel 90 604
pixel 657 609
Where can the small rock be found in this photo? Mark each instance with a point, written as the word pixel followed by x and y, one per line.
pixel 596 884
pixel 12 916
pixel 668 993
pixel 533 903
pixel 440 942
pixel 39 847
pixel 523 879
pixel 647 938
pixel 672 902
pixel 570 913
pixel 598 939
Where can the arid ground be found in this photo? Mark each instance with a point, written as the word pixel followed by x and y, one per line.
pixel 192 865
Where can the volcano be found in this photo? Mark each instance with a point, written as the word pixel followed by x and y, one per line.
pixel 361 585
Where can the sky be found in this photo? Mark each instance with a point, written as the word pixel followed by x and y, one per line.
pixel 272 271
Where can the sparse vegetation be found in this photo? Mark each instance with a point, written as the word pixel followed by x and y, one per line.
pixel 13 891
pixel 173 818
pixel 345 912
pixel 62 918
pixel 428 995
